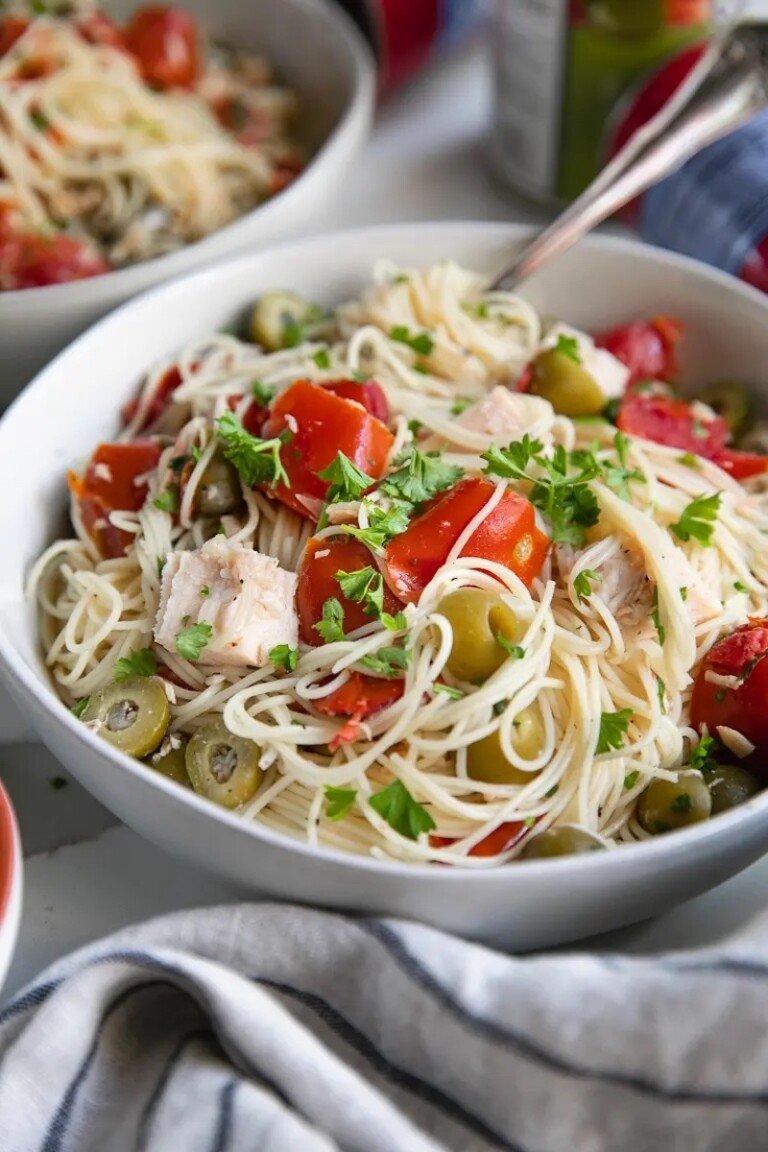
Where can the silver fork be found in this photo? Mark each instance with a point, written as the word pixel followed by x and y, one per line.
pixel 727 87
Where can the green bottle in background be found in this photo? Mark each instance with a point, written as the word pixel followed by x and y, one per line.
pixel 565 73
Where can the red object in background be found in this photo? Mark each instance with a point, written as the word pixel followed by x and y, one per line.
pixel 29 260
pixel 165 41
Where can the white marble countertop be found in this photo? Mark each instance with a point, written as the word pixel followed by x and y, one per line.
pixel 86 875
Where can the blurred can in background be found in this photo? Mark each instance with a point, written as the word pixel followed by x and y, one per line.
pixel 566 73
pixel 406 34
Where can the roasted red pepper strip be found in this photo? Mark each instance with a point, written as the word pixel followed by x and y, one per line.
pixel 503 838
pixel 322 425
pixel 673 423
pixel 741 465
pixel 360 697
pixel 97 28
pixel 165 41
pixel 647 348
pixel 744 708
pixel 508 536
pixel 108 485
pixel 369 394
pixel 159 402
pixel 321 560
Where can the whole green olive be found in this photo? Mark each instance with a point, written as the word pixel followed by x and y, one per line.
pixel 172 762
pixel 563 841
pixel 219 491
pixel 570 389
pixel 731 401
pixel 133 715
pixel 669 804
pixel 628 17
pixel 223 767
pixel 477 618
pixel 278 315
pixel 487 762
pixel 730 785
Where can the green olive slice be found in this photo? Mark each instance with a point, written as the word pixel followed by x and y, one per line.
pixel 562 841
pixel 133 715
pixel 487 762
pixel 669 804
pixel 219 491
pixel 223 767
pixel 731 401
pixel 730 785
pixel 477 618
pixel 570 389
pixel 171 761
pixel 276 315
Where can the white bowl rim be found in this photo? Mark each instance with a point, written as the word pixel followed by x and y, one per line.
pixel 626 855
pixel 173 264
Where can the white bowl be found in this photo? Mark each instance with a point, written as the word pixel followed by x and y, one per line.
pixel 319 52
pixel 60 417
pixel 10 883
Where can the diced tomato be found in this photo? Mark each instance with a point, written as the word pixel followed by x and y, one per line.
pixel 108 485
pixel 745 709
pixel 159 402
pixel 503 838
pixel 741 465
pixel 287 168
pixel 369 394
pixel 28 260
pixel 165 41
pixel 317 582
pixel 97 28
pixel 12 28
pixel 647 348
pixel 508 536
pixel 322 425
pixel 361 697
pixel 673 423
pixel 251 125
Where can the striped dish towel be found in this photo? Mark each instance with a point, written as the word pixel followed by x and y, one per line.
pixel 280 1029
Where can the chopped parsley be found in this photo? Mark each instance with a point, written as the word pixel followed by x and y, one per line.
pixel 257 461
pixel 697 521
pixel 630 780
pixel 340 800
pixel 683 593
pixel 387 661
pixel 661 690
pixel 192 640
pixel 461 405
pixel 420 477
pixel 322 358
pixel 739 587
pixel 682 803
pixel 40 120
pixel 383 524
pixel 690 460
pixel 568 346
pixel 513 650
pixel 617 477
pixel 168 501
pixel 582 584
pixel 262 393
pixel 702 759
pixel 448 690
pixel 394 623
pixel 79 706
pixel 205 590
pixel 421 342
pixel 346 481
pixel 331 626
pixel 613 729
pixel 396 805
pixel 656 618
pixel 365 586
pixel 283 656
pixel 139 663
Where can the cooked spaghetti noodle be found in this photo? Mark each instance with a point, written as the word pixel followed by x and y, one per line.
pixel 592 703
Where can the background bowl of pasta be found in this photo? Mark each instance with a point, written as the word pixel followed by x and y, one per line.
pixel 609 687
pixel 117 163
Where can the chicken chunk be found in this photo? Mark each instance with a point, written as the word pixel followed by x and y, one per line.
pixel 499 418
pixel 245 596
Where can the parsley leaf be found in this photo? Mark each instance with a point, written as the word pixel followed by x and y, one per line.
pixel 420 478
pixel 568 346
pixel 461 405
pixel 140 663
pixel 192 640
pixel 421 342
pixel 322 358
pixel 387 661
pixel 340 800
pixel 257 461
pixel 394 623
pixel 702 759
pixel 383 524
pixel 613 729
pixel 262 393
pixel 690 460
pixel 449 690
pixel 514 650
pixel 697 521
pixel 80 706
pixel 511 463
pixel 346 481
pixel 396 805
pixel 366 587
pixel 617 477
pixel 661 689
pixel 740 587
pixel 582 585
pixel 168 501
pixel 283 656
pixel 331 627
pixel 656 618
pixel 630 780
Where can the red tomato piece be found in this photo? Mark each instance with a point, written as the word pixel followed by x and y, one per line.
pixel 32 261
pixel 317 582
pixel 165 41
pixel 508 536
pixel 97 28
pixel 12 28
pixel 159 402
pixel 108 485
pixel 322 425
pixel 369 394
pixel 741 465
pixel 745 709
pixel 503 838
pixel 647 348
pixel 673 423
pixel 361 697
